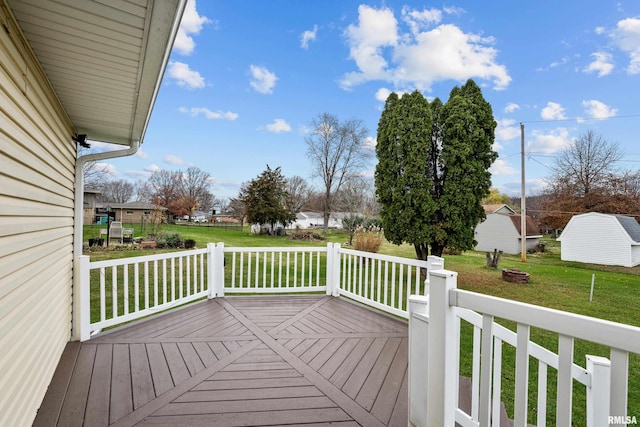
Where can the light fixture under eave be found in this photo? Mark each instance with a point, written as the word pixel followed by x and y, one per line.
pixel 82 140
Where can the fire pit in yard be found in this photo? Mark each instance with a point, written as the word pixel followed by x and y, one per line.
pixel 515 276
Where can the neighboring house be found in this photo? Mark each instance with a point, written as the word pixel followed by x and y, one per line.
pixel 601 239
pixel 498 208
pixel 90 197
pixel 64 74
pixel 134 212
pixel 503 232
pixel 316 219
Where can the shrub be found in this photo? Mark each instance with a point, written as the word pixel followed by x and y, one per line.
pixel 189 244
pixel 304 235
pixel 169 240
pixel 368 239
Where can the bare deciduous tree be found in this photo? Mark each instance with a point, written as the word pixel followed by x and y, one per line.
pixel 338 153
pixel 117 191
pixel 299 193
pixel 587 163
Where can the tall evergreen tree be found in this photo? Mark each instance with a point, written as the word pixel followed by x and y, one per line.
pixel 265 199
pixel 432 171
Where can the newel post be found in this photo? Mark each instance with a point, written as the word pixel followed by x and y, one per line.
pixel 418 340
pixel 82 296
pixel 433 263
pixel 215 269
pixel 441 352
pixel 211 268
pixel 333 269
pixel 598 409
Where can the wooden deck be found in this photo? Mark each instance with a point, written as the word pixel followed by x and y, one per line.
pixel 238 361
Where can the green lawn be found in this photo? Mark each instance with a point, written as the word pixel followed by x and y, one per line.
pixel 554 283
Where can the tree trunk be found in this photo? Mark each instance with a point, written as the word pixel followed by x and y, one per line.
pixel 422 252
pixel 437 249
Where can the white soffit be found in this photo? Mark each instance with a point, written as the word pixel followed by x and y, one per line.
pixel 104 59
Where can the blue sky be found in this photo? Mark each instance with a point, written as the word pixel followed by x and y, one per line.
pixel 246 77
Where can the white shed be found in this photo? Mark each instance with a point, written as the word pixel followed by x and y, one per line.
pixel 601 239
pixel 502 232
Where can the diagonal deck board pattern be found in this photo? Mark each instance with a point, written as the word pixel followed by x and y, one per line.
pixel 241 361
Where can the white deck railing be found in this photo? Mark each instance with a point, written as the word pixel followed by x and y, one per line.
pixel 434 331
pixel 121 290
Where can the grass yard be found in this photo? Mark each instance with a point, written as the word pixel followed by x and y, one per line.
pixel 554 283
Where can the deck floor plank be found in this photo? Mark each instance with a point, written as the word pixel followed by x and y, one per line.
pixel 309 360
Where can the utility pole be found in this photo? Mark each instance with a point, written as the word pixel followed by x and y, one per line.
pixel 523 202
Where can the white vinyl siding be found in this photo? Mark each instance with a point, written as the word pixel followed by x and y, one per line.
pixel 37 159
pixel 597 239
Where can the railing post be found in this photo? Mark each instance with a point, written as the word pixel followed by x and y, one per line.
pixel 441 351
pixel 333 269
pixel 598 392
pixel 330 265
pixel 82 297
pixel 211 269
pixel 219 269
pixel 433 263
pixel 418 376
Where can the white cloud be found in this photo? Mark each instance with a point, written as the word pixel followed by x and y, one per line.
pixel 420 20
pixel 207 113
pixel 549 142
pixel 553 111
pixel 308 36
pixel 262 80
pixel 185 76
pixel 138 174
pixel 173 160
pixel 626 37
pixel 278 126
pixel 370 143
pixel 152 168
pixel 602 64
pixel 191 24
pixel 501 167
pixel 507 129
pixel 383 93
pixel 511 107
pixel 598 110
pixel 420 56
pixel 141 154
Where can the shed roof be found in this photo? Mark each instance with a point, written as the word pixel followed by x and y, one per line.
pixel 105 60
pixel 531 227
pixel 631 226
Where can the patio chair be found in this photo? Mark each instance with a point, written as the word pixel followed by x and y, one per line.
pixel 115 231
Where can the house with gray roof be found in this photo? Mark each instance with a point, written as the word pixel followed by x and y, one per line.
pixel 599 238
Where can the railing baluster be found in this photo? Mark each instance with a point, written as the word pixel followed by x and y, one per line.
pixel 173 279
pixel 146 284
pixel 155 283
pixel 125 283
pixel 188 270
pixel 164 281
pixel 522 376
pixel 273 266
pixel 103 300
pixel 619 382
pixel 114 291
pixel 180 279
pixel 486 360
pixel 542 394
pixel 496 396
pixel 393 284
pixel 475 371
pixel 565 381
pixel 136 285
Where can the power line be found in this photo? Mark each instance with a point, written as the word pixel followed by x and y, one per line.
pixel 577 119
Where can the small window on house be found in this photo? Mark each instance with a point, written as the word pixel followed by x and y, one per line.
pixel 129 212
pixel 147 212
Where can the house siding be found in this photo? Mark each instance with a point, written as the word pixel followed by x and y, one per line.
pixel 36 228
pixel 597 239
pixel 497 232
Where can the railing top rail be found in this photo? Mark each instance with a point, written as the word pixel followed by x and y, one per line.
pixel 145 258
pixel 276 249
pixel 391 258
pixel 612 334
